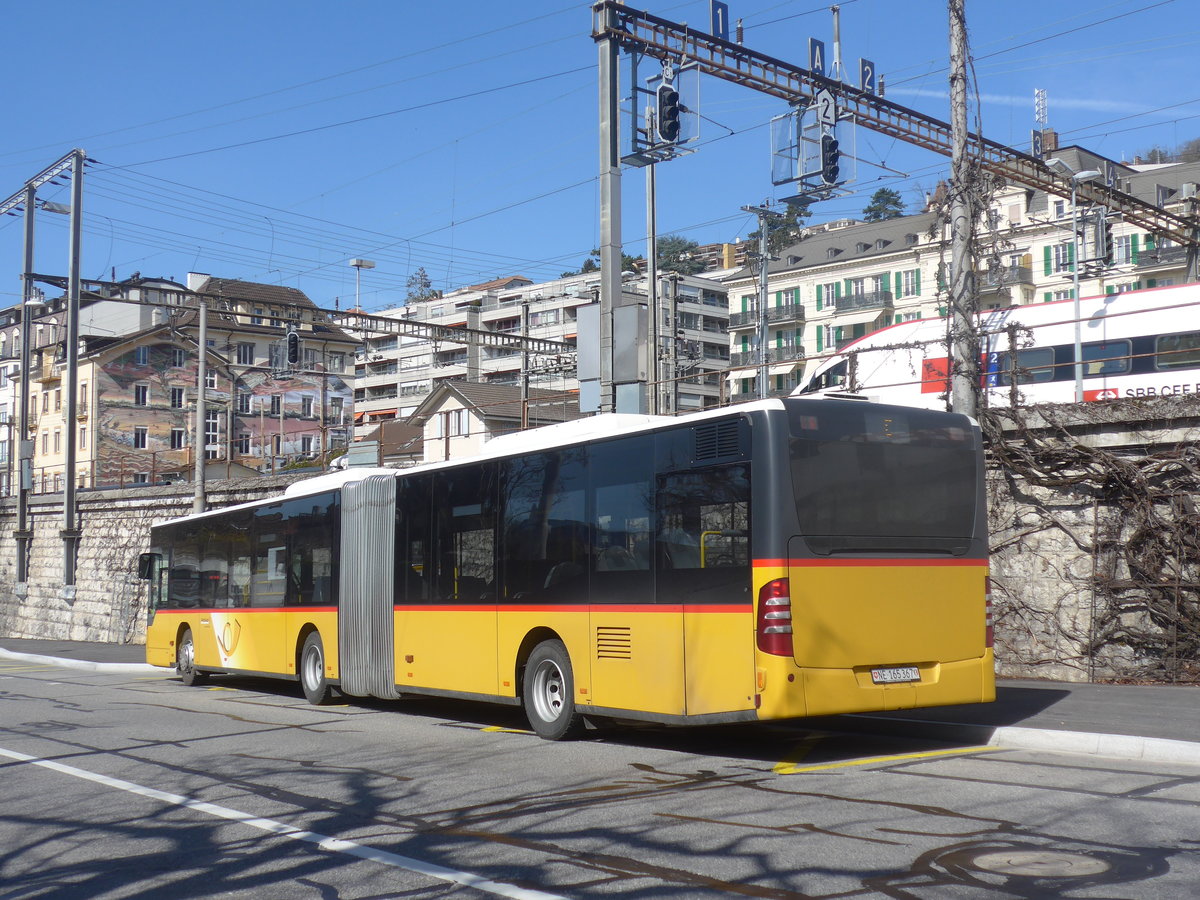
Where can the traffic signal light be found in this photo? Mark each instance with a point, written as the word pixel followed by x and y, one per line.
pixel 830 156
pixel 668 111
pixel 1104 241
pixel 293 348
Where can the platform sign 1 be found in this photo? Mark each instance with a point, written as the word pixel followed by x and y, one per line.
pixel 866 75
pixel 718 14
pixel 816 57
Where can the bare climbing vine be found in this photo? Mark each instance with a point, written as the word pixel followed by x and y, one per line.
pixel 1106 538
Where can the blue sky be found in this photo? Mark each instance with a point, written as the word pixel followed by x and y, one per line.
pixel 273 140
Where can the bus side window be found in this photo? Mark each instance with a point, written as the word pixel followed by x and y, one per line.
pixel 414 567
pixel 544 532
pixel 464 534
pixel 703 535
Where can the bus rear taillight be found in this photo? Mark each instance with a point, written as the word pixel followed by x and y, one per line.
pixel 989 628
pixel 775 618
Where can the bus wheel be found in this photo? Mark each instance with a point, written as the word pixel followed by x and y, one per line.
pixel 185 660
pixel 549 693
pixel 312 671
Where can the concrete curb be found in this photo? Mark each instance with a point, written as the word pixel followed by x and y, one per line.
pixel 1117 746
pixel 86 665
pixel 1017 737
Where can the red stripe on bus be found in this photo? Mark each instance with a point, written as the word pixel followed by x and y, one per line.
pixel 583 607
pixel 856 563
pixel 245 609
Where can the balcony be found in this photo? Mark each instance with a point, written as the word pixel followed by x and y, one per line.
pixel 789 312
pixel 50 370
pixel 1166 256
pixel 1001 277
pixel 775 355
pixel 869 300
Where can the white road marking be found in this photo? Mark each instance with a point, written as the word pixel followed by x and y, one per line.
pixel 324 842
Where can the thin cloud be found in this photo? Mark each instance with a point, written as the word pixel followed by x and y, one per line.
pixel 1091 105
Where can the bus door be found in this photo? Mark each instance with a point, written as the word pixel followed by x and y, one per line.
pixel 446 615
pixel 636 636
pixel 704 570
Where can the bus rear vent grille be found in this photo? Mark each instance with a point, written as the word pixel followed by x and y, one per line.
pixel 718 440
pixel 614 643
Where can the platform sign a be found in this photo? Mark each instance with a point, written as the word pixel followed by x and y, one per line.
pixel 718 14
pixel 866 75
pixel 816 57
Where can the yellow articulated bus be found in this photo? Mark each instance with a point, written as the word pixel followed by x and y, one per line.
pixel 791 557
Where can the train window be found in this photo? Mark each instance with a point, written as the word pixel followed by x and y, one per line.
pixel 1035 364
pixel 1106 358
pixel 1177 351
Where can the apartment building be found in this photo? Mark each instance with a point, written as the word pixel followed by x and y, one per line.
pixel 395 373
pixel 138 378
pixel 846 279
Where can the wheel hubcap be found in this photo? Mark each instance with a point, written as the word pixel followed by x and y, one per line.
pixel 185 656
pixel 548 690
pixel 313 668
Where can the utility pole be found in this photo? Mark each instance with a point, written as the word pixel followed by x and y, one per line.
pixel 24 443
pixel 652 367
pixel 765 218
pixel 199 503
pixel 964 339
pixel 70 525
pixel 610 210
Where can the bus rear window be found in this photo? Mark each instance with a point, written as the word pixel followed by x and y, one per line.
pixel 884 478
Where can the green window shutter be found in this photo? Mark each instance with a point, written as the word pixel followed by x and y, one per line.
pixel 1049 260
pixel 1150 242
pixel 942 311
pixel 820 337
pixel 1047 297
pixel 846 292
pixel 1110 289
pixel 1071 256
pixel 820 288
pixel 1151 282
pixel 837 289
pixel 896 319
pixel 746 304
pixel 1134 243
pixel 917 282
pixel 887 282
pixel 779 298
pixel 837 335
pixel 779 340
pixel 746 385
pixel 1137 285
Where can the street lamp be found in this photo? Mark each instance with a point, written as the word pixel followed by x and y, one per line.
pixel 1076 178
pixel 359 265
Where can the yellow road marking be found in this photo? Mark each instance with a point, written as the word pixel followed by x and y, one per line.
pixel 788 768
pixel 497 729
pixel 788 765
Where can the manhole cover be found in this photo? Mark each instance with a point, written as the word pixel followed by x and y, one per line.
pixel 1039 863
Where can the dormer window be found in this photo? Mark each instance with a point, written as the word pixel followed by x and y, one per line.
pixel 832 252
pixel 881 243
pixel 862 247
pixel 910 239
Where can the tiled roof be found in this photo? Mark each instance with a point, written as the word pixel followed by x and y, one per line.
pixel 254 291
pixel 503 401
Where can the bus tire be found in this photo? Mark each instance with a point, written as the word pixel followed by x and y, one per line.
pixel 312 671
pixel 548 691
pixel 185 660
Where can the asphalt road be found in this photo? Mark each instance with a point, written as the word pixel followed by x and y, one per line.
pixel 136 786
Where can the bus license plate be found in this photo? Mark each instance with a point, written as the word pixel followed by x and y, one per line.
pixel 895 675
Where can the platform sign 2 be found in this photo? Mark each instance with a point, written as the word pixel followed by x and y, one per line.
pixel 866 75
